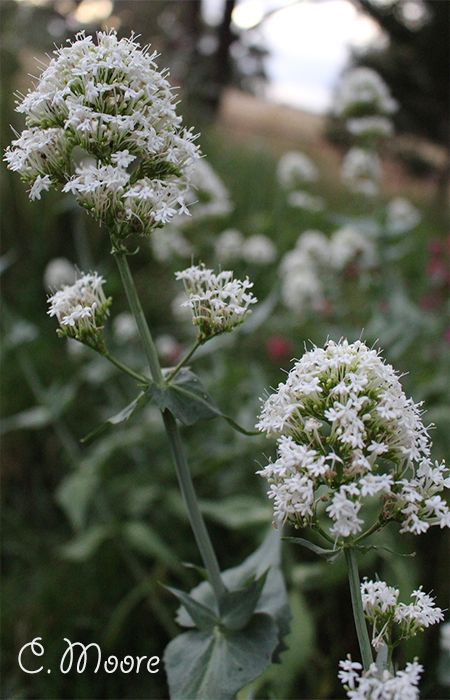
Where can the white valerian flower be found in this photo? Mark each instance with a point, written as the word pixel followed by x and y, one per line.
pixel 294 169
pixel 315 245
pixel 362 92
pixel 228 245
pixel 301 286
pixel 81 309
pixel 349 246
pixel 374 684
pixel 304 200
pixel 401 216
pixel 108 98
pixel 218 302
pixel 367 441
pixel 58 272
pixel 361 171
pixel 259 250
pixel 371 126
pixel 168 347
pixel 207 196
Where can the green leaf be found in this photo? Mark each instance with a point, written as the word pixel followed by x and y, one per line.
pixel 76 492
pixel 86 544
pixel 125 414
pixel 145 540
pixel 30 419
pixel 273 599
pixel 237 607
pixel 205 618
pixel 206 666
pixel 188 400
pixel 329 554
pixel 237 512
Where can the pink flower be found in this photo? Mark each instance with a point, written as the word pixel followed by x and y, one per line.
pixel 279 348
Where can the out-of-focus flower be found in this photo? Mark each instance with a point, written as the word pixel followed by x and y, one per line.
pixel 401 215
pixel 362 92
pixel 124 327
pixel 218 302
pixel 169 243
pixel 374 684
pixel 372 127
pixel 295 169
pixel 109 99
pixel 305 200
pixel 207 197
pixel 58 272
pixel 168 347
pixel 361 171
pixel 81 310
pixel 340 418
pixel 349 246
pixel 301 287
pixel 279 348
pixel 259 250
pixel 228 245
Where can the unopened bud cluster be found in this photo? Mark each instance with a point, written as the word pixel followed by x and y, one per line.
pixel 81 310
pixel 218 302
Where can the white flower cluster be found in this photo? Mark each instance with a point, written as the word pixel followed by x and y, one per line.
pixel 379 685
pixel 362 92
pixel 81 309
pixel 393 621
pixel 300 199
pixel 231 245
pixel 401 216
pixel 372 126
pixel 294 169
pixel 218 302
pixel 361 171
pixel 305 269
pixel 109 101
pixel 207 197
pixel 346 433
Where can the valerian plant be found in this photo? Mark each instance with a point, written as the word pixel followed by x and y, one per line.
pixel 353 453
pixel 101 124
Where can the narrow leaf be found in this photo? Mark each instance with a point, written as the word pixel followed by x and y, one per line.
pixel 125 414
pixel 237 607
pixel 328 554
pixel 204 617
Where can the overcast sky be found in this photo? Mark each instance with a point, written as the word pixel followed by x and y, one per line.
pixel 309 44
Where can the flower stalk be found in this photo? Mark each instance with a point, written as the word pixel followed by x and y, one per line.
pixel 182 470
pixel 358 613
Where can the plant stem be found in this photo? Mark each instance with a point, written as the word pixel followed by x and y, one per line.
pixel 375 527
pixel 184 361
pixel 358 613
pixel 184 477
pixel 139 377
pixel 190 498
pixel 136 308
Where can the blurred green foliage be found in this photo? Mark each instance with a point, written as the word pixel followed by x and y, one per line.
pixel 90 531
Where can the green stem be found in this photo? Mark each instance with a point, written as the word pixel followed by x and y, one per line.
pixel 187 489
pixel 184 361
pixel 358 613
pixel 184 477
pixel 136 308
pixel 124 368
pixel 375 527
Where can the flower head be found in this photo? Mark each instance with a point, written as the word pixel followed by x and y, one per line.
pixel 347 433
pixel 401 216
pixel 361 171
pixel 362 92
pixel 374 684
pixel 218 302
pixel 108 100
pixel 81 309
pixel 295 168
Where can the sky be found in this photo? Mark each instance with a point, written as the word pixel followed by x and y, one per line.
pixel 309 43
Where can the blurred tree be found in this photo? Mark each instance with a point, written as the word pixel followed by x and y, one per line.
pixel 414 64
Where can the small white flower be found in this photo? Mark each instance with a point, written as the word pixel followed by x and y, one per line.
pixel 218 302
pixel 373 126
pixel 59 272
pixel 41 184
pixel 304 200
pixel 229 245
pixel 124 327
pixel 349 246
